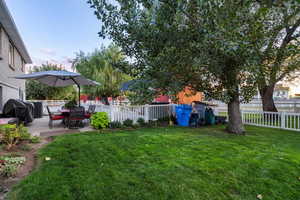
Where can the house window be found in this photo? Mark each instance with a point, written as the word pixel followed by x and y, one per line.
pixel 11 56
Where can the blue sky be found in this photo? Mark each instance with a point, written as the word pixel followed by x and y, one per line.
pixel 53 30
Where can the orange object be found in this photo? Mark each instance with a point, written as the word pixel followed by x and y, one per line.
pixel 187 96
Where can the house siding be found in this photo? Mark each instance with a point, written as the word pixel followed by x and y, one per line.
pixel 10 87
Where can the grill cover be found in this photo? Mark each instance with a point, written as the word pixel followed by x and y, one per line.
pixel 19 109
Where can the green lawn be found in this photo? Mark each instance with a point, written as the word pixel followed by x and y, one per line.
pixel 167 163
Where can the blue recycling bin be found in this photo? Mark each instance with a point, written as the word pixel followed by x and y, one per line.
pixel 183 113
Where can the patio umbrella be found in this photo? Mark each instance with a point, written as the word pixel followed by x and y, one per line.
pixel 59 79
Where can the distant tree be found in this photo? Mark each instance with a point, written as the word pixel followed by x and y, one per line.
pixel 280 55
pixel 102 66
pixel 38 91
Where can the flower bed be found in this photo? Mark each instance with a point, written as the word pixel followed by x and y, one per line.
pixel 9 165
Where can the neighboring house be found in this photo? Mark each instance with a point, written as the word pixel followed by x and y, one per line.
pixel 281 92
pixel 13 57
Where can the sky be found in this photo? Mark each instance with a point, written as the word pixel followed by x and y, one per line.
pixel 54 30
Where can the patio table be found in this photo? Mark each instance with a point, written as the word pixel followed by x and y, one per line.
pixel 64 110
pixel 66 113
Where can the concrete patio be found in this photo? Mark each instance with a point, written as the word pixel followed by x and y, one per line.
pixel 39 127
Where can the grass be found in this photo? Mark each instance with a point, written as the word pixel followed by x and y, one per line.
pixel 167 163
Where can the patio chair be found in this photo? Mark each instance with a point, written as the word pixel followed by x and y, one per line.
pixel 53 117
pixel 76 117
pixel 90 111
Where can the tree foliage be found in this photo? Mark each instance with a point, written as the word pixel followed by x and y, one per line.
pixel 208 46
pixel 38 91
pixel 279 57
pixel 101 66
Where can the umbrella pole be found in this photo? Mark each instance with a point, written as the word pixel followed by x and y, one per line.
pixel 79 93
pixel 78 89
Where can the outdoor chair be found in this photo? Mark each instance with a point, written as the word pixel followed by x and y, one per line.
pixel 53 117
pixel 90 111
pixel 76 117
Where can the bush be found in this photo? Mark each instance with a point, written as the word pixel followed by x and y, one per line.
pixel 35 139
pixel 25 135
pixel 164 119
pixel 128 123
pixel 115 125
pixel 100 120
pixel 141 122
pixel 152 123
pixel 10 134
pixel 71 104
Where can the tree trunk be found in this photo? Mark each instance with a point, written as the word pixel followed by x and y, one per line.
pixel 235 123
pixel 266 94
pixel 105 100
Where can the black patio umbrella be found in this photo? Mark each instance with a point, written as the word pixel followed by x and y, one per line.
pixel 59 79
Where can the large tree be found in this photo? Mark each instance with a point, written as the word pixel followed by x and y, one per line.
pixel 280 55
pixel 101 66
pixel 38 91
pixel 208 46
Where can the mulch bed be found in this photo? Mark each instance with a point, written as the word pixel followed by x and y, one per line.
pixel 29 165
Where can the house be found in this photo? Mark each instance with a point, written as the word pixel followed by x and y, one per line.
pixel 281 92
pixel 13 57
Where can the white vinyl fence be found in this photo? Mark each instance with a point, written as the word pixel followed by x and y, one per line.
pixel 281 120
pixel 119 112
pixel 147 112
pixel 287 105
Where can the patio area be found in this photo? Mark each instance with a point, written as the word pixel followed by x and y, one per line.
pixel 40 127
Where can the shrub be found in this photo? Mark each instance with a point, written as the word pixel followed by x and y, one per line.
pixel 128 123
pixel 10 135
pixel 24 134
pixel 100 120
pixel 35 139
pixel 115 125
pixel 164 119
pixel 71 104
pixel 152 123
pixel 141 121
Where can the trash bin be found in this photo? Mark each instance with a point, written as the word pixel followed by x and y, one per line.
pixel 200 107
pixel 38 110
pixel 183 113
pixel 209 117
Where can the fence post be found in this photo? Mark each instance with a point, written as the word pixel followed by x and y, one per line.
pixel 243 118
pixel 147 117
pixel 282 119
pixel 111 108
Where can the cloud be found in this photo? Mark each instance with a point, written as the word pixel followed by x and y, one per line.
pixel 64 62
pixel 49 52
